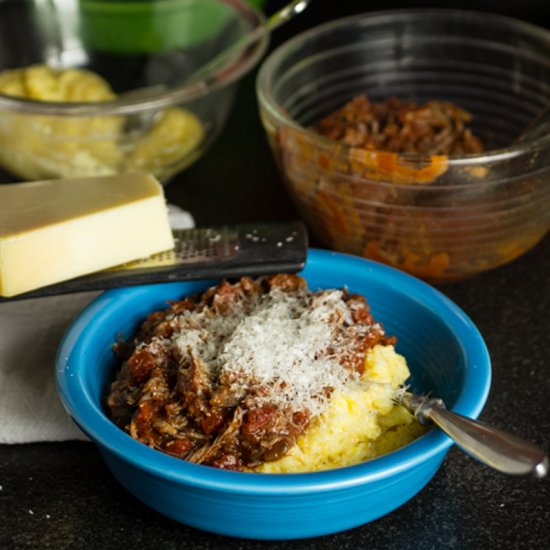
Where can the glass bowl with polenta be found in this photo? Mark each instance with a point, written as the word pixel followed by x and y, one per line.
pixel 99 87
pixel 243 407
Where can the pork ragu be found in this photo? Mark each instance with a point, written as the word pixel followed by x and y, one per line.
pixel 402 126
pixel 232 377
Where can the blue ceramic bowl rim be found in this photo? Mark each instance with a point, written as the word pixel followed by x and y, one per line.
pixel 89 416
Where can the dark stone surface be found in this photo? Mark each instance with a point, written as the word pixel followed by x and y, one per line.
pixel 62 496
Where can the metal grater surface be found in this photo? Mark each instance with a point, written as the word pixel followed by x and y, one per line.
pixel 193 245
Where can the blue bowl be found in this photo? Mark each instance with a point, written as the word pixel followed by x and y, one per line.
pixel 445 352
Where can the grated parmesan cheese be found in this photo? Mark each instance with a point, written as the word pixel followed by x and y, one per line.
pixel 284 346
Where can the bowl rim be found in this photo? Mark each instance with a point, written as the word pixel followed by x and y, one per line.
pixel 91 419
pixel 157 97
pixel 267 100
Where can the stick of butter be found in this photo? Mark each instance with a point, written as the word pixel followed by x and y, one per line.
pixel 54 230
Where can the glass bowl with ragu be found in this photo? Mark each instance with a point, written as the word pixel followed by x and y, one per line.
pixel 395 135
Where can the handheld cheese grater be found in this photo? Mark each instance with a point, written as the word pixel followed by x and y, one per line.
pixel 227 251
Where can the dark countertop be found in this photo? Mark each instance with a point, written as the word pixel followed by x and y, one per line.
pixel 60 495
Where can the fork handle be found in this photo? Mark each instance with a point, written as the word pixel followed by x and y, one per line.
pixel 496 448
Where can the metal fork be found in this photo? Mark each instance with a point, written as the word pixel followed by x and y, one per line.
pixel 496 448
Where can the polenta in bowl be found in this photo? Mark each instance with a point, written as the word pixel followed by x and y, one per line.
pixel 85 93
pixel 263 375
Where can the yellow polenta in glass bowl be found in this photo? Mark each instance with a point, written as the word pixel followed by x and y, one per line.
pixel 75 102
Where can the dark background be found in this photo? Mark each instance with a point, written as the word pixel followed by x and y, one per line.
pixel 466 506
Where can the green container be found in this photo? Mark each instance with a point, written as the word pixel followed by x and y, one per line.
pixel 133 26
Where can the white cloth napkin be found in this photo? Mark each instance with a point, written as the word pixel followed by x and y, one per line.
pixel 30 331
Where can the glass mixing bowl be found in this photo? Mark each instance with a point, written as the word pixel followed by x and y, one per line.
pixel 137 111
pixel 439 218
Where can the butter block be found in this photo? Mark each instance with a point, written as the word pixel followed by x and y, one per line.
pixel 55 230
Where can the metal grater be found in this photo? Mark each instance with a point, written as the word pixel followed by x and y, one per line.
pixel 193 245
pixel 227 251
